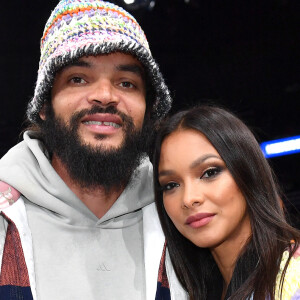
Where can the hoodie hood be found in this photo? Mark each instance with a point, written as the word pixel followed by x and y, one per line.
pixel 27 168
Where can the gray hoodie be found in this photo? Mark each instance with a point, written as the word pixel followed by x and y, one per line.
pixel 77 255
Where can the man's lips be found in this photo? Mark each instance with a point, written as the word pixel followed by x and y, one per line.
pixel 199 219
pixel 103 120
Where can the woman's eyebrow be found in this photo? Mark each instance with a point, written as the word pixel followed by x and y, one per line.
pixel 202 159
pixel 165 173
pixel 193 165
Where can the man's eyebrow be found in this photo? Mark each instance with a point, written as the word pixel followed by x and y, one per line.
pixel 134 68
pixel 77 63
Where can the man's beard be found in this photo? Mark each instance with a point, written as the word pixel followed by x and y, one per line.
pixel 91 166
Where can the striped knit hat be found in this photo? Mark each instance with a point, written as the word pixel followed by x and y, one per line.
pixel 79 28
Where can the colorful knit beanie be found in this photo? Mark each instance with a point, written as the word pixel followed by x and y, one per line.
pixel 79 28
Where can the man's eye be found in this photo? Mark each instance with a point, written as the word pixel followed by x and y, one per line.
pixel 211 172
pixel 77 80
pixel 169 186
pixel 127 84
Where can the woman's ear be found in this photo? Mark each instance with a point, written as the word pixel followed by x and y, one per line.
pixel 42 112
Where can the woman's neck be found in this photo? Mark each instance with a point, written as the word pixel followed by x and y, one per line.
pixel 226 263
pixel 227 253
pixel 224 291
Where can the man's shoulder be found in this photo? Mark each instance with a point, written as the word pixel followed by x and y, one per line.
pixel 30 139
pixel 151 219
pixel 8 195
pixel 26 154
pixel 150 209
pixel 19 150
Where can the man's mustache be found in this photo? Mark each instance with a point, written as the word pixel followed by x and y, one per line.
pixel 98 109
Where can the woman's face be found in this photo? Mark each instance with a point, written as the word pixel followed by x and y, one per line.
pixel 199 194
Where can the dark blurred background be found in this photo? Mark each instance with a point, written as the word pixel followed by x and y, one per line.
pixel 243 55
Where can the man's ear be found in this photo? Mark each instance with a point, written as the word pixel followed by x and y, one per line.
pixel 42 112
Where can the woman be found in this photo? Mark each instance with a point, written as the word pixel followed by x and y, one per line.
pixel 220 210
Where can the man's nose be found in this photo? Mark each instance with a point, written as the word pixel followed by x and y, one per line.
pixel 103 93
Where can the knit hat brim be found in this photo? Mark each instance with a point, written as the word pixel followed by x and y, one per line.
pixel 161 103
pixel 78 28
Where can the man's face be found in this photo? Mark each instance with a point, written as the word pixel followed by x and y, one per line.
pixel 114 80
pixel 94 124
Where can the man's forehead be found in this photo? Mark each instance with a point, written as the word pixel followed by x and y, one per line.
pixel 120 61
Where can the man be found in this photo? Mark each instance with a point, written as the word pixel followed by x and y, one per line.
pixel 78 219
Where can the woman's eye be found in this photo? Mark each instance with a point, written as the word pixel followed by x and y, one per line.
pixel 211 172
pixel 127 85
pixel 169 186
pixel 77 80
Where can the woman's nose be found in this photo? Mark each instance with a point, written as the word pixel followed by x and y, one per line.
pixel 192 196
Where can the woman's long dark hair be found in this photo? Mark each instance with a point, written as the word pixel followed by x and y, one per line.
pixel 257 266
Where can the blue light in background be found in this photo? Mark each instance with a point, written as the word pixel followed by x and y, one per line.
pixel 281 147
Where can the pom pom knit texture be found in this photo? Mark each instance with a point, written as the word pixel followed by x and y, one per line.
pixel 79 28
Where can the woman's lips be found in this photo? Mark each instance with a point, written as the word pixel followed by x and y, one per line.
pixel 199 219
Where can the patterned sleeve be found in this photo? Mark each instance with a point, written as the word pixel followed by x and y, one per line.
pixel 291 283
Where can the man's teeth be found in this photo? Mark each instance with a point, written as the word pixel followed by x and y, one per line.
pixel 103 123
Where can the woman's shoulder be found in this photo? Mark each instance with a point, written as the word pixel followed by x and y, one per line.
pixel 291 283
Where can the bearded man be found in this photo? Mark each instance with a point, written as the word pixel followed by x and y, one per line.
pixel 77 214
